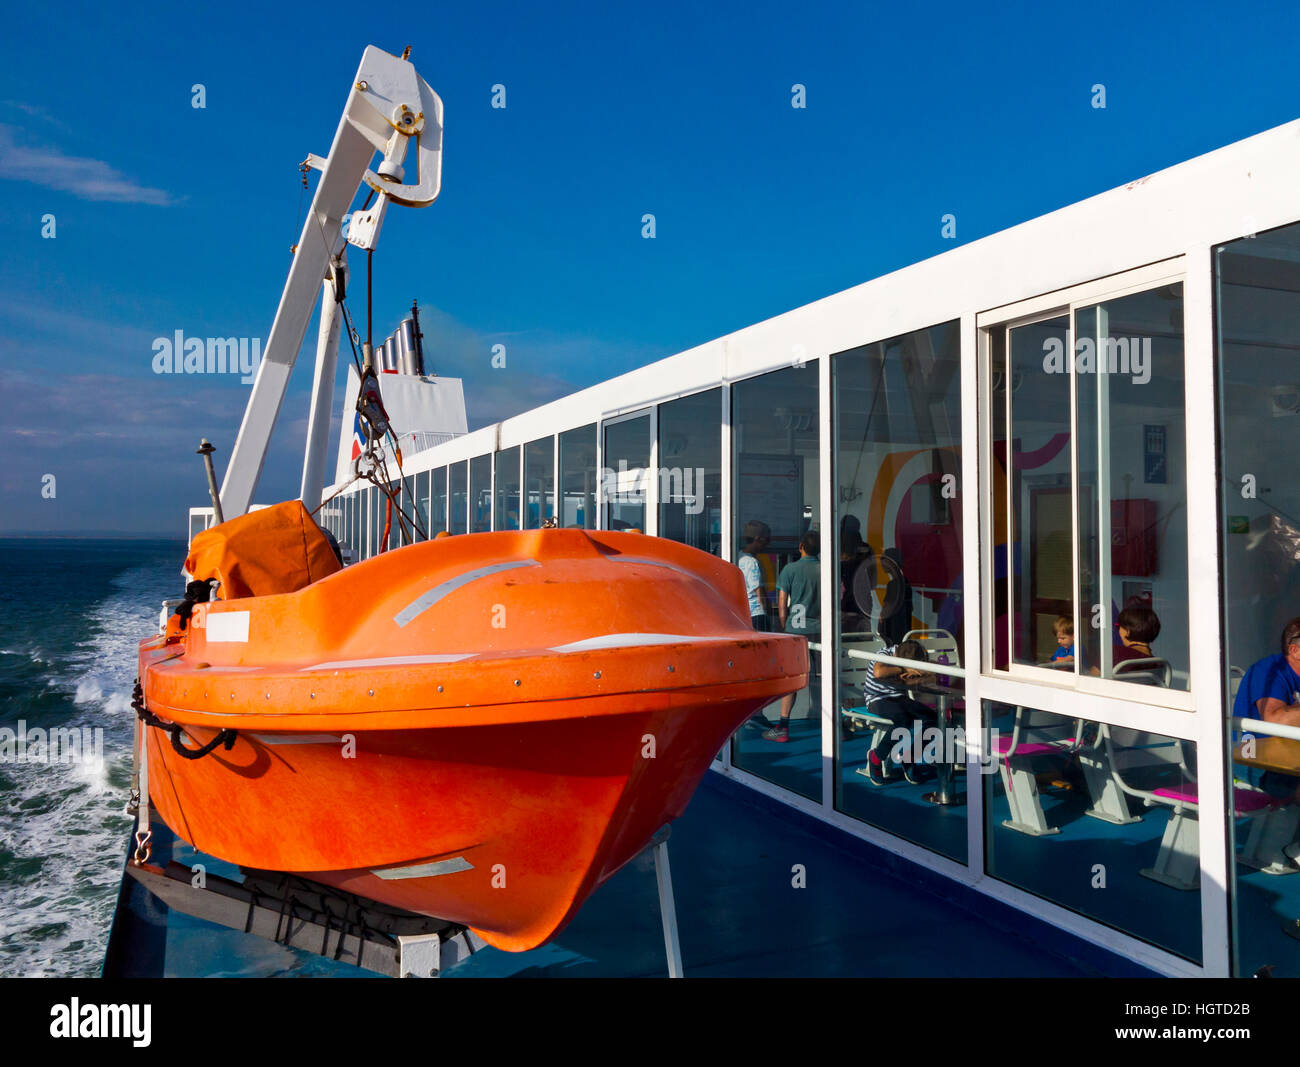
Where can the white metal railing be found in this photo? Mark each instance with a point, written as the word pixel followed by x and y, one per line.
pixel 894 661
pixel 1272 729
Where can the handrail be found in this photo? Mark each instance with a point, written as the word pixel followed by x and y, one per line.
pixel 1272 729
pixel 894 661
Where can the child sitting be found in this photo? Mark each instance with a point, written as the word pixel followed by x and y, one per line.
pixel 885 693
pixel 1064 627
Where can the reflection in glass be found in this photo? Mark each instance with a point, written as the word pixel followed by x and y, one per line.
pixel 459 473
pixel 626 473
pixel 377 515
pixel 1032 492
pixel 539 479
pixel 1132 519
pixel 775 464
pixel 506 513
pixel 899 549
pixel 438 501
pixel 480 494
pixel 690 470
pixel 1098 819
pixel 391 524
pixel 422 506
pixel 1257 283
pixel 349 525
pixel 578 478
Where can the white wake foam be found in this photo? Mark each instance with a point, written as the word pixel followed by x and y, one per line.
pixel 64 830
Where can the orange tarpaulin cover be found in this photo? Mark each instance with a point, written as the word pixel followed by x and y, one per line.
pixel 275 550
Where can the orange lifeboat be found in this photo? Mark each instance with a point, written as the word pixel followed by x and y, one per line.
pixel 481 728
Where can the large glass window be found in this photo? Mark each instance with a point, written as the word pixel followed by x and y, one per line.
pixel 690 470
pixel 775 462
pixel 506 514
pixel 625 473
pixel 1098 819
pixel 422 531
pixel 377 514
pixel 459 493
pixel 1089 490
pixel 898 518
pixel 480 494
pixel 407 531
pixel 539 482
pixel 392 507
pixel 1258 354
pixel 578 478
pixel 438 501
pixel 348 539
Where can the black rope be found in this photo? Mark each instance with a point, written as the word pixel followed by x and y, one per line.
pixel 225 738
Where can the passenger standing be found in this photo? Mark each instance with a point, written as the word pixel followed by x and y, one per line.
pixel 799 606
pixel 757 536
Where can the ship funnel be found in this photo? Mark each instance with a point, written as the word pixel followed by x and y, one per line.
pixel 403 352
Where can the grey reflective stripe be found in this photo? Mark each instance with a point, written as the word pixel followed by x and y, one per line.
pixel 656 563
pixel 425 870
pixel 298 739
pixel 629 641
pixel 424 602
pixel 390 661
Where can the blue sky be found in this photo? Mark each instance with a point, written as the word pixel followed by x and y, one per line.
pixel 170 217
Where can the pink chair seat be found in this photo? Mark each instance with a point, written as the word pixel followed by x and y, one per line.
pixel 1037 748
pixel 1244 800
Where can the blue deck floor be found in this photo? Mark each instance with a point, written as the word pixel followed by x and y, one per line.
pixel 863 913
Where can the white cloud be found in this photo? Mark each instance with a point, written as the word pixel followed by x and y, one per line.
pixel 88 179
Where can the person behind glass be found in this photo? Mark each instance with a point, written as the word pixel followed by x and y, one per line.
pixel 852 557
pixel 756 537
pixel 885 693
pixel 799 608
pixel 895 626
pixel 1137 626
pixel 1064 629
pixel 1270 692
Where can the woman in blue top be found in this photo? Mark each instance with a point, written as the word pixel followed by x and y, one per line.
pixel 1270 691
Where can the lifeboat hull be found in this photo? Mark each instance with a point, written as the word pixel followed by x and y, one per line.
pixel 482 728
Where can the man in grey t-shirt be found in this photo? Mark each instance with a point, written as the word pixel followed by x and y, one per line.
pixel 799 606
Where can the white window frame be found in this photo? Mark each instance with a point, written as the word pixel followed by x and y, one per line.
pixel 1062 303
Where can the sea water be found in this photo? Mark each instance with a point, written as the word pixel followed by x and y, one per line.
pixel 71 613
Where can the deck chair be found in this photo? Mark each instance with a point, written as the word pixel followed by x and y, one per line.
pixel 852 671
pixel 1149 671
pixel 940 646
pixel 1033 734
pixel 1235 675
pixel 1178 863
pixel 1109 803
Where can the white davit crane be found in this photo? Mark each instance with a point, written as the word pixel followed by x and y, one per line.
pixel 388 106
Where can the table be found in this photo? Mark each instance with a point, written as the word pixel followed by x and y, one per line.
pixel 1279 754
pixel 945 772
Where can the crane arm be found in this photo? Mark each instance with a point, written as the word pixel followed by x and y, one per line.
pixel 388 105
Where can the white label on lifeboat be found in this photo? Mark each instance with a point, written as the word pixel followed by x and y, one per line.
pixel 230 627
